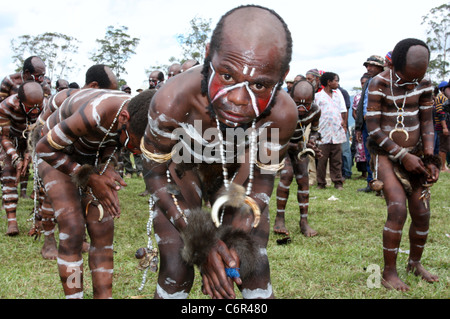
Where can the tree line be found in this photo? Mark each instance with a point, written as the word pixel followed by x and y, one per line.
pixel 116 48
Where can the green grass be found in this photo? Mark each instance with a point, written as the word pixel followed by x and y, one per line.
pixel 332 265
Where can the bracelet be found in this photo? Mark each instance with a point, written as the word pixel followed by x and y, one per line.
pixel 232 272
pixel 16 160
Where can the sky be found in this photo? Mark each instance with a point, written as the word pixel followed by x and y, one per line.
pixel 336 36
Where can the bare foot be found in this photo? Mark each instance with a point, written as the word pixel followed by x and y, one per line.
pixel 279 227
pixel 306 229
pixel 13 229
pixel 419 270
pixel 49 250
pixel 391 281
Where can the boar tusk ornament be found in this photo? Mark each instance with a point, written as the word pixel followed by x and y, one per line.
pixel 235 197
pixel 400 130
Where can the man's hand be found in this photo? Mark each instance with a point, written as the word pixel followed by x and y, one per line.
pixel 414 164
pixel 433 173
pixel 105 188
pixel 216 284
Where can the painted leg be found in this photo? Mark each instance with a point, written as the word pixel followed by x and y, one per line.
pixel 418 234
pixel 392 232
pixel 49 249
pixel 101 259
pixel 10 197
pixel 175 278
pixel 302 178
pixel 286 177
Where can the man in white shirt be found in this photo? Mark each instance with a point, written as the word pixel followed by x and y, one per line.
pixel 332 128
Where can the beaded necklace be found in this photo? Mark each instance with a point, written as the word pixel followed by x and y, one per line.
pixel 399 126
pixel 97 156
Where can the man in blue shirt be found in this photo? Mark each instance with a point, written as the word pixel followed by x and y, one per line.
pixel 374 66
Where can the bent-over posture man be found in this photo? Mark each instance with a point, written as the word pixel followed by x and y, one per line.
pixel 78 153
pixel 297 159
pixel 17 113
pixel 400 124
pixel 98 76
pixel 247 61
pixel 33 70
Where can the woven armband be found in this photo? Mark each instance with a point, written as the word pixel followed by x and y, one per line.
pixel 271 168
pixel 52 143
pixel 158 158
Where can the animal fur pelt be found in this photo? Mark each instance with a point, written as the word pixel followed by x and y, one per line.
pixel 432 159
pixel 81 177
pixel 200 236
pixel 34 135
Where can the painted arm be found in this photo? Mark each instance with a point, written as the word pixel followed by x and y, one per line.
pixel 51 147
pixel 412 163
pixel 427 133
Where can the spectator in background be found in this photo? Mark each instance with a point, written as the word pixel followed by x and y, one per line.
pixel 442 123
pixel 313 77
pixel 360 154
pixel 374 66
pixel 289 85
pixel 346 152
pixel 332 129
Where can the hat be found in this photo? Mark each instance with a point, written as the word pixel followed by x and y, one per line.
pixel 289 80
pixel 443 85
pixel 388 56
pixel 123 87
pixel 314 72
pixel 375 60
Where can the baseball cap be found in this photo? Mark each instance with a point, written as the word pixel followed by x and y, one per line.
pixel 443 84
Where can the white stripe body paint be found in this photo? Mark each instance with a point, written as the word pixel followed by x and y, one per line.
pixel 257 293
pixel 165 295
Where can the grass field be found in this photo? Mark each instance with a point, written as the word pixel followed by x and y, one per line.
pixel 333 265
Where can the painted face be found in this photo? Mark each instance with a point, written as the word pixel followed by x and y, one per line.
pixel 32 110
pixel 260 94
pixel 128 142
pixel 402 81
pixel 303 105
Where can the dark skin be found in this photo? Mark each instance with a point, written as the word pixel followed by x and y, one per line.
pixel 16 156
pixel 419 108
pixel 10 87
pixel 308 113
pixel 73 211
pixel 49 249
pixel 372 70
pixel 180 101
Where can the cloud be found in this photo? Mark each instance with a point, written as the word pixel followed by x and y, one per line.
pixel 332 35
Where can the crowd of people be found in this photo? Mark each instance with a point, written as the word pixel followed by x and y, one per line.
pixel 215 138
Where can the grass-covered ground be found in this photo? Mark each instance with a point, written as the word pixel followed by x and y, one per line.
pixel 333 265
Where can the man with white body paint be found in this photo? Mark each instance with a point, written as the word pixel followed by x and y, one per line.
pixel 77 156
pixel 247 62
pixel 17 113
pixel 98 76
pixel 399 120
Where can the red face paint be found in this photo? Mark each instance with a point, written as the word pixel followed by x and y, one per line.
pixel 260 101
